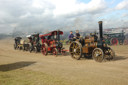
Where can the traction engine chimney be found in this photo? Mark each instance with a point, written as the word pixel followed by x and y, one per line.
pixel 100 30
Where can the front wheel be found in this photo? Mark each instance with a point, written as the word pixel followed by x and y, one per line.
pixel 55 51
pixel 23 48
pixel 15 46
pixel 35 49
pixel 31 48
pixel 98 54
pixel 109 53
pixel 44 49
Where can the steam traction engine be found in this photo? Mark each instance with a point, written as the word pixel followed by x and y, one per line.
pixel 115 38
pixel 21 44
pixel 17 43
pixel 34 43
pixel 97 49
pixel 51 43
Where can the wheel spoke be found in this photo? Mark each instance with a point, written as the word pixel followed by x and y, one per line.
pixel 73 45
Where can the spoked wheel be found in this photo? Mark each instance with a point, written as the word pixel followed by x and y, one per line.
pixel 114 41
pixel 20 48
pixel 31 48
pixel 121 42
pixel 35 49
pixel 125 42
pixel 15 46
pixel 109 54
pixel 23 48
pixel 98 54
pixel 75 50
pixel 44 49
pixel 27 48
pixel 54 51
pixel 38 47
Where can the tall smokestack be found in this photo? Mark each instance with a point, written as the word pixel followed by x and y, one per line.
pixel 100 30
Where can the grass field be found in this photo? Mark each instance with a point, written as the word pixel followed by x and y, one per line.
pixel 24 68
pixel 26 77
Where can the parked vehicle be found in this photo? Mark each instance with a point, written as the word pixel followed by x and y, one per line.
pixel 17 42
pixel 21 44
pixel 34 43
pixel 115 38
pixel 51 43
pixel 91 47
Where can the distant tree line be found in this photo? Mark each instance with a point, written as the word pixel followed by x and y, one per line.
pixel 2 36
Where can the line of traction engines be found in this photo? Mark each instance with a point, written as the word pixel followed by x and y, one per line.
pixel 88 47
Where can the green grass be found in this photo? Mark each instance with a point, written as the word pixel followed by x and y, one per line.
pixel 26 77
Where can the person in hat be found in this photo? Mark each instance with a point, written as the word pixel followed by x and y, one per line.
pixel 71 36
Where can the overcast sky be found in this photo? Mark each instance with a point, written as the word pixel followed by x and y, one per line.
pixel 61 14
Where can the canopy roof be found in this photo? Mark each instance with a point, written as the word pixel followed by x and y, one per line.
pixel 18 38
pixel 52 33
pixel 113 33
pixel 28 36
pixel 34 34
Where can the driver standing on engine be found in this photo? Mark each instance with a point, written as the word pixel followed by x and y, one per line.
pixel 77 34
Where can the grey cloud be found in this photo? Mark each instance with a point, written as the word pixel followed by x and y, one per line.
pixel 122 5
pixel 21 15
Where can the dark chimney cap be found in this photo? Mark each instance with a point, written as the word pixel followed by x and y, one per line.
pixel 100 22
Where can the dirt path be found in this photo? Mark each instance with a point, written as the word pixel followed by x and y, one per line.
pixel 81 72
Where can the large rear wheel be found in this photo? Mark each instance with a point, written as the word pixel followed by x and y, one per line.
pixel 98 54
pixel 75 50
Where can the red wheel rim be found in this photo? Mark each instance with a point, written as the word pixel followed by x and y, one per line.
pixel 54 51
pixel 114 41
pixel 44 50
